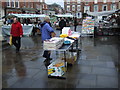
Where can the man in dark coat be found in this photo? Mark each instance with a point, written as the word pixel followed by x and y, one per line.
pixel 75 23
pixel 62 24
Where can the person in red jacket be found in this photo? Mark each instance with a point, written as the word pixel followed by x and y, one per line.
pixel 16 32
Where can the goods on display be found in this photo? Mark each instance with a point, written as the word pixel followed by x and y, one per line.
pixel 70 40
pixel 67 30
pixel 57 68
pixel 27 30
pixel 53 43
pixel 63 35
pixel 70 58
pixel 75 35
pixel 88 26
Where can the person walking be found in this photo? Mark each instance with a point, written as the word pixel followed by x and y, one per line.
pixel 47 32
pixel 75 23
pixel 62 24
pixel 16 33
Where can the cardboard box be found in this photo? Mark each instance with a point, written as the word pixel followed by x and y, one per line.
pixel 67 30
pixel 57 68
pixel 70 59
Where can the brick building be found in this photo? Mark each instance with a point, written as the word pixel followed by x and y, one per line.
pixel 78 7
pixel 24 6
pixel 44 7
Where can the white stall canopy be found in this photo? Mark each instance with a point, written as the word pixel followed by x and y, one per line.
pixel 103 13
pixel 27 15
pixel 64 15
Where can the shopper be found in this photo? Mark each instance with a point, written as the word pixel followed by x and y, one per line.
pixel 62 24
pixel 16 32
pixel 47 33
pixel 75 23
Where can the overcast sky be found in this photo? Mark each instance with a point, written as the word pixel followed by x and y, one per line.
pixel 60 2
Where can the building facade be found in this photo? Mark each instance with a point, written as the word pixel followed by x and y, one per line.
pixel 56 7
pixel 78 7
pixel 24 6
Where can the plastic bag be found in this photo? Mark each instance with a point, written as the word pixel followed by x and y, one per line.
pixel 10 40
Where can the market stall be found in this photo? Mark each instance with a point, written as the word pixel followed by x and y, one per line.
pixel 68 18
pixel 65 43
pixel 88 27
pixel 27 28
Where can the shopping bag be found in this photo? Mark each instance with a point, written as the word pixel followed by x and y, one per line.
pixel 10 40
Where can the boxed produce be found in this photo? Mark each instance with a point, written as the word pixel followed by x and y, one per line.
pixel 57 68
pixel 70 58
pixel 53 43
pixel 67 30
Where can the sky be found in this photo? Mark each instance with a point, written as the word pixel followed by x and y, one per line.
pixel 60 2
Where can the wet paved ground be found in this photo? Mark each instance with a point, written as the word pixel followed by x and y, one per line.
pixel 95 67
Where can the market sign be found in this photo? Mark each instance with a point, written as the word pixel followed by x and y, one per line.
pixel 88 26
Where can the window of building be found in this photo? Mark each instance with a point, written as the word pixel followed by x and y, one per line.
pixel 86 9
pixel 68 8
pixel 78 8
pixel 113 7
pixel 13 3
pixel 73 7
pixel 8 3
pixel 104 7
pixel 95 8
pixel 68 1
pixel 17 3
pixel 78 1
pixel 95 1
pixel 104 1
pixel 31 5
pixel 113 1
pixel 41 0
pixel 86 3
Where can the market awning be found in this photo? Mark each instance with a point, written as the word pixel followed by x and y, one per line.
pixel 27 15
pixel 64 15
pixel 103 13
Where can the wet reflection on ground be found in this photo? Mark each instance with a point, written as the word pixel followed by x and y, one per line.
pixel 94 68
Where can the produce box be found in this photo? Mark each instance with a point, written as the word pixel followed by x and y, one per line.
pixel 67 31
pixel 57 68
pixel 70 59
pixel 53 43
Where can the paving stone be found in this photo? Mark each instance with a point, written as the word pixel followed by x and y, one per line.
pixel 88 76
pixel 104 71
pixel 23 83
pixel 107 81
pixel 82 69
pixel 110 64
pixel 87 82
pixel 105 58
pixel 93 63
pixel 11 81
